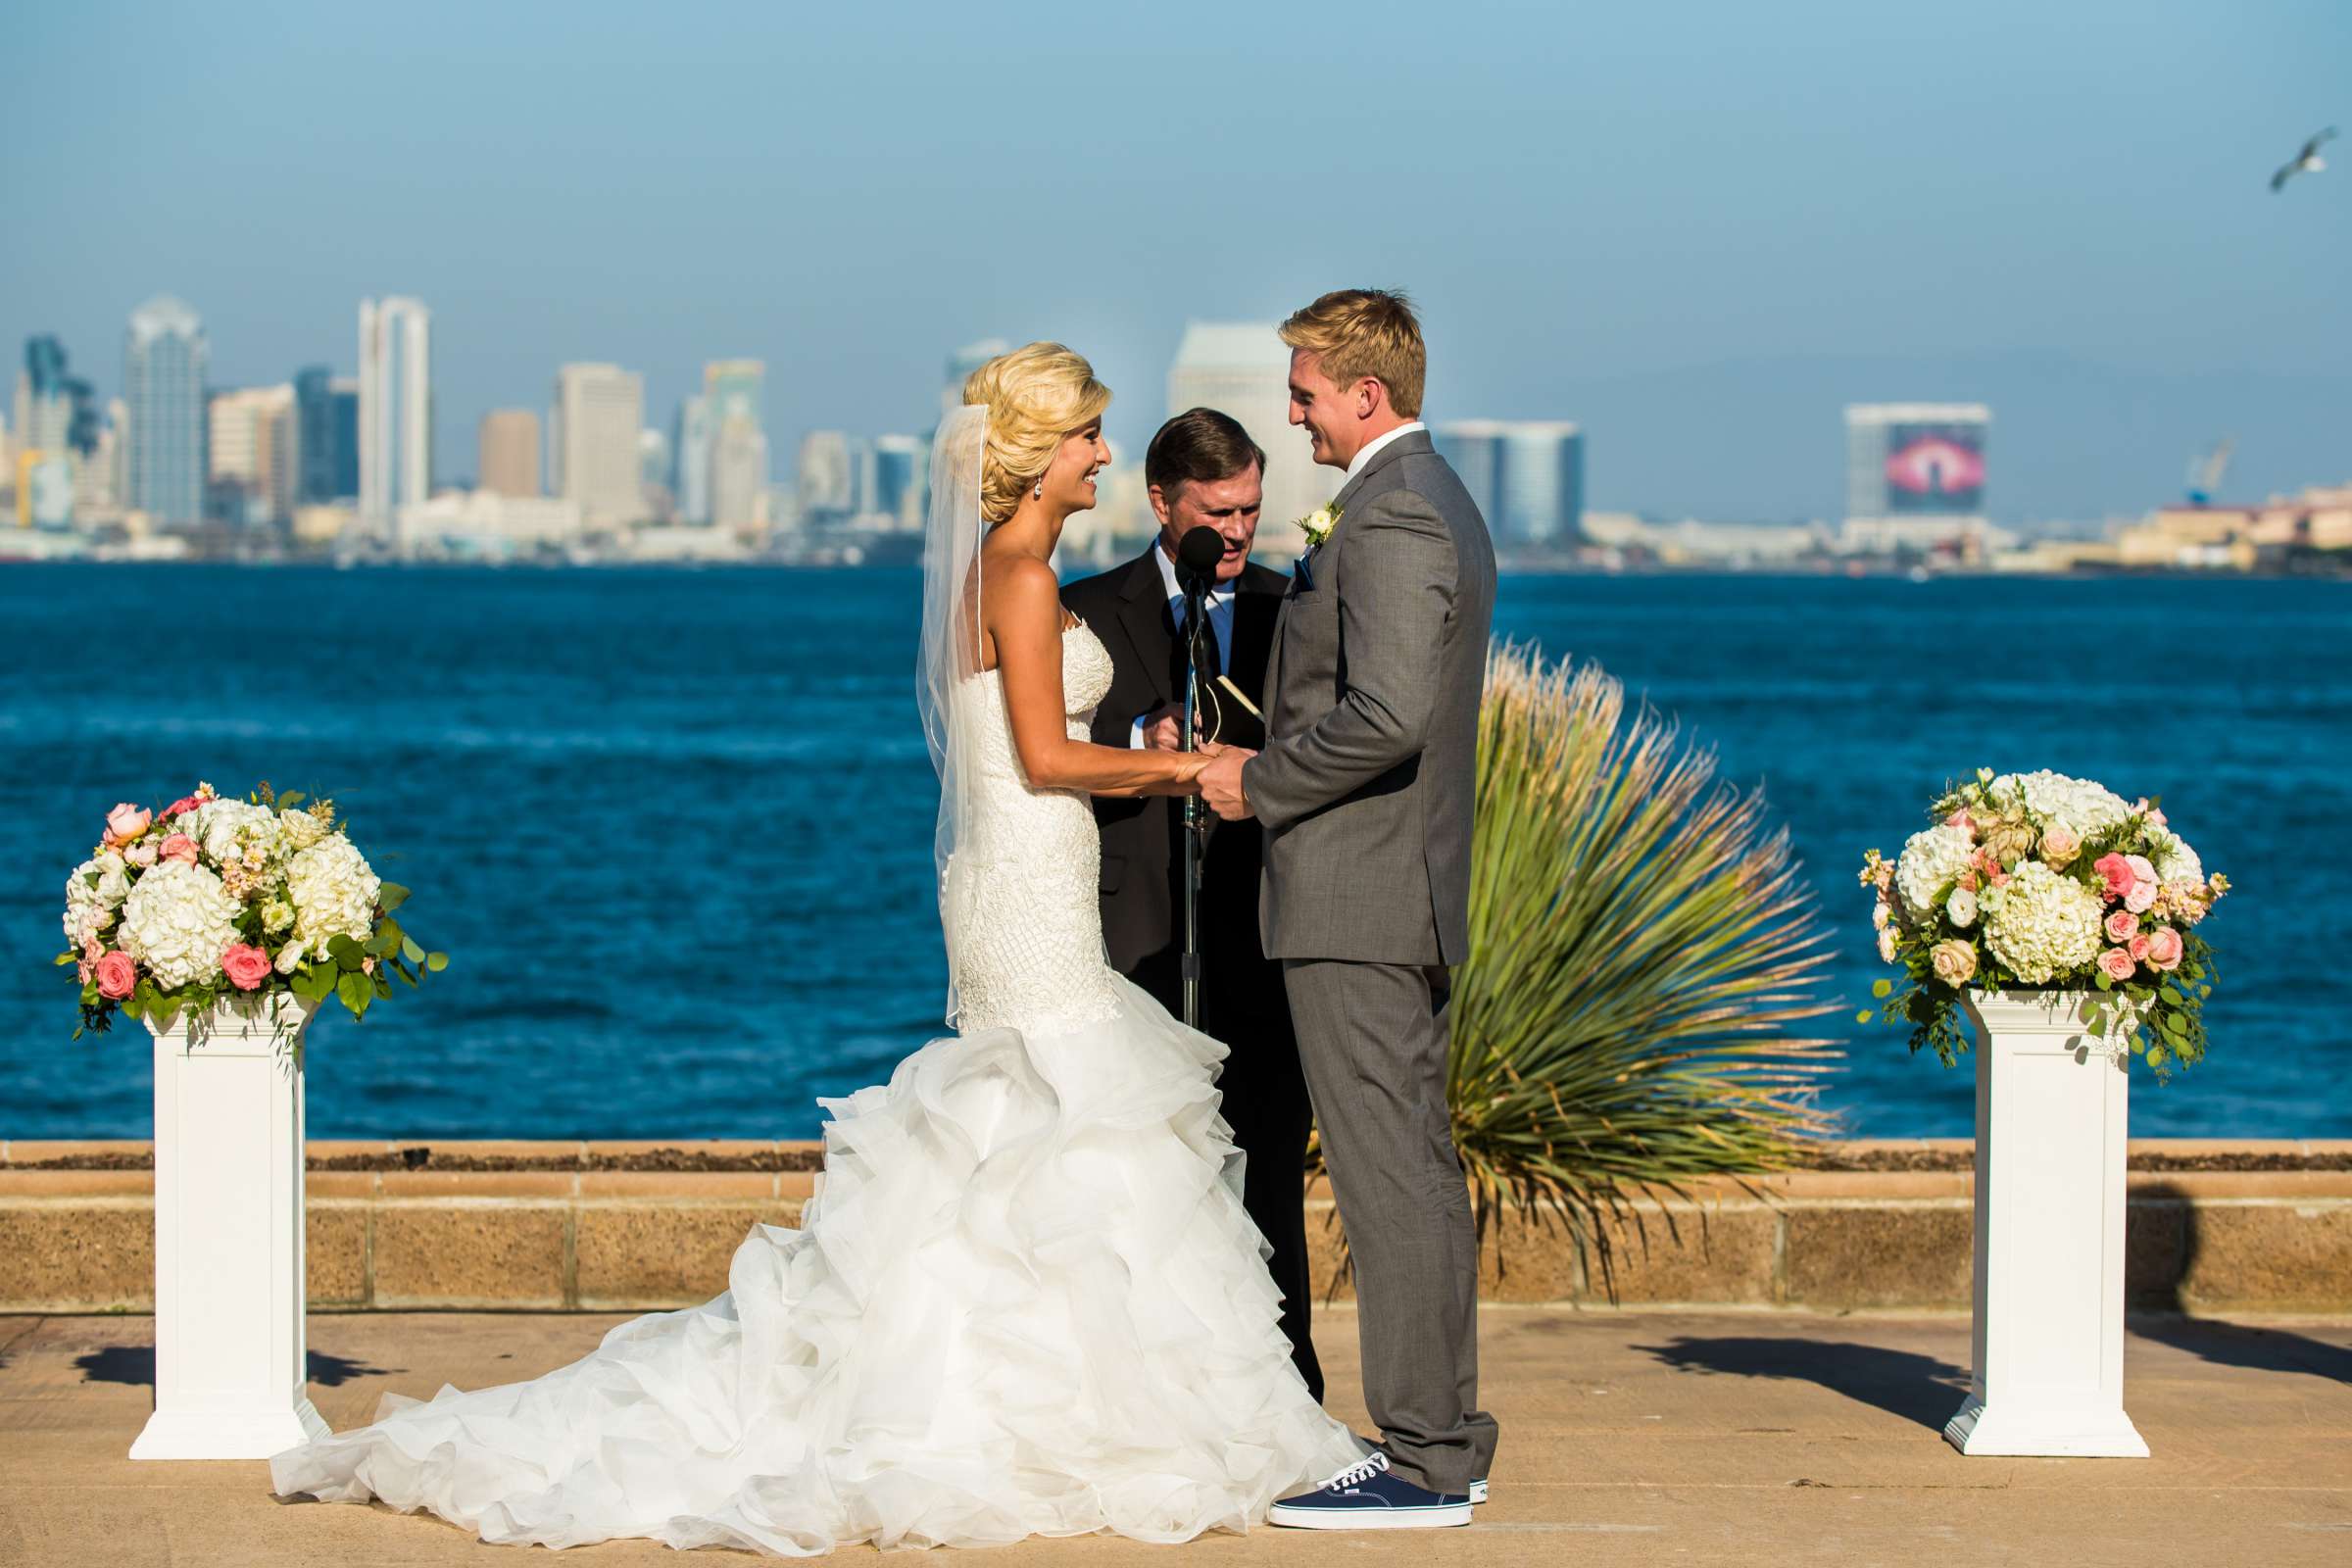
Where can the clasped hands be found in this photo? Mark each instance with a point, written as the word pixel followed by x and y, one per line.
pixel 1220 775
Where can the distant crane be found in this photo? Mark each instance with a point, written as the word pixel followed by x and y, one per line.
pixel 2206 468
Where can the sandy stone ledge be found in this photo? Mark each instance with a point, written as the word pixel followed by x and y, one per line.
pixel 567 1226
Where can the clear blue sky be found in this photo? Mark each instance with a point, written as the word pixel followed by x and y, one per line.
pixel 1698 229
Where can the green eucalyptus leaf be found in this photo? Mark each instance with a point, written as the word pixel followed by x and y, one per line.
pixel 436 961
pixel 354 992
pixel 409 949
pixel 391 896
pixel 1881 987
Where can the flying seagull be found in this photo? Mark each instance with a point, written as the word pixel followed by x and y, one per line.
pixel 2307 162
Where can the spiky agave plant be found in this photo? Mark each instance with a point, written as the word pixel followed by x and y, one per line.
pixel 1641 945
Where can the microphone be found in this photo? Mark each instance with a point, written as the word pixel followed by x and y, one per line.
pixel 1199 551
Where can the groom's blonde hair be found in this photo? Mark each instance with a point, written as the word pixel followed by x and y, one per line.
pixel 1034 396
pixel 1359 332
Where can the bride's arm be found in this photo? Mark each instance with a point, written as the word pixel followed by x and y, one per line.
pixel 1022 612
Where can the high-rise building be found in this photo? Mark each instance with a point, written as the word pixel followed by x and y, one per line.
pixel 165 357
pixel 507 460
pixel 822 478
pixel 598 411
pixel 736 390
pixel 690 460
pixel 1242 369
pixel 738 474
pixel 733 395
pixel 900 464
pixel 250 444
pixel 1526 477
pixel 396 410
pixel 326 436
pixel 652 460
pixel 1914 474
pixel 960 364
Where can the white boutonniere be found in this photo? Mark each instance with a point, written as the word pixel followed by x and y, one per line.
pixel 1317 525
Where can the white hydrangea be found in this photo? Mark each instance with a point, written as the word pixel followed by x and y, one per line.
pixel 90 908
pixel 333 892
pixel 2043 924
pixel 227 828
pixel 1931 858
pixel 301 829
pixel 2080 804
pixel 2174 860
pixel 178 921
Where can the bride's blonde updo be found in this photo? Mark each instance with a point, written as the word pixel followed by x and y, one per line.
pixel 1034 397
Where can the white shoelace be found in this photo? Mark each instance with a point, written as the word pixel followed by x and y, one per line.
pixel 1357 1474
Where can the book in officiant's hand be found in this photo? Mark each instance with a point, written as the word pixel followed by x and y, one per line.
pixel 1230 718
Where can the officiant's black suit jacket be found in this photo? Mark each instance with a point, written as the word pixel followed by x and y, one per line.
pixel 1243 1002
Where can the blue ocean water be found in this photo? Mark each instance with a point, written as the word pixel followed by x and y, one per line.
pixel 674 826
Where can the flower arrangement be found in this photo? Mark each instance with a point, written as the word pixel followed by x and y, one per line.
pixel 212 897
pixel 2038 881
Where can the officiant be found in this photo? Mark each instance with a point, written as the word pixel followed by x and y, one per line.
pixel 1202 470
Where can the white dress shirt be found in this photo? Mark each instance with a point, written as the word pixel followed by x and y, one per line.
pixel 1219 605
pixel 1363 455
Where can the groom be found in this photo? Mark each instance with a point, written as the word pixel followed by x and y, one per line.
pixel 1364 790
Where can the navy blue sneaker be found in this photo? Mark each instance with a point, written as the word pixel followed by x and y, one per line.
pixel 1478 1492
pixel 1367 1496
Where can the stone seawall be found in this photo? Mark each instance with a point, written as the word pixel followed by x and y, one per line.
pixel 1881 1226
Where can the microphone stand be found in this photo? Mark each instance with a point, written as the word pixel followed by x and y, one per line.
pixel 1195 824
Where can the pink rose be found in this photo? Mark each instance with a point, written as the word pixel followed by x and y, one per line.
pixel 366 966
pixel 2140 866
pixel 2060 845
pixel 117 975
pixel 2122 925
pixel 179 847
pixel 186 802
pixel 2164 947
pixel 127 822
pixel 2116 873
pixel 2116 964
pixel 246 966
pixel 2141 898
pixel 2137 947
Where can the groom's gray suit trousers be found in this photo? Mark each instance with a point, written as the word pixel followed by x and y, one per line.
pixel 1373 1040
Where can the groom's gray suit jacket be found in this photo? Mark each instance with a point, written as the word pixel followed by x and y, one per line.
pixel 1371 701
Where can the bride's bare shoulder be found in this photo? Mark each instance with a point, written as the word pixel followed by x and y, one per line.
pixel 1019 586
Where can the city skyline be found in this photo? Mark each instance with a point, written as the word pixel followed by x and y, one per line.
pixel 1699 242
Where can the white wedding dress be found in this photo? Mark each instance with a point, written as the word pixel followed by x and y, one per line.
pixel 1025 1300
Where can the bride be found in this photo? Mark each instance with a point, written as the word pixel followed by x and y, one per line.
pixel 1026 1299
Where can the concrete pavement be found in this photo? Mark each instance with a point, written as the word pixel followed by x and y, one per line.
pixel 1628 1437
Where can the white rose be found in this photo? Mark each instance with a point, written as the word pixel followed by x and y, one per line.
pixel 333 893
pixel 300 828
pixel 290 958
pixel 177 923
pixel 2174 860
pixel 114 879
pixel 1961 909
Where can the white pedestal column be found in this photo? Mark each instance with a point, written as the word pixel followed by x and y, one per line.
pixel 230 1365
pixel 2048 1341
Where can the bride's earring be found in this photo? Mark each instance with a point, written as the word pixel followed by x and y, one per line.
pixel 1040 491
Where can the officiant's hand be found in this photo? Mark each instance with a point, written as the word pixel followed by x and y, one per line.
pixel 1221 784
pixel 1163 728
